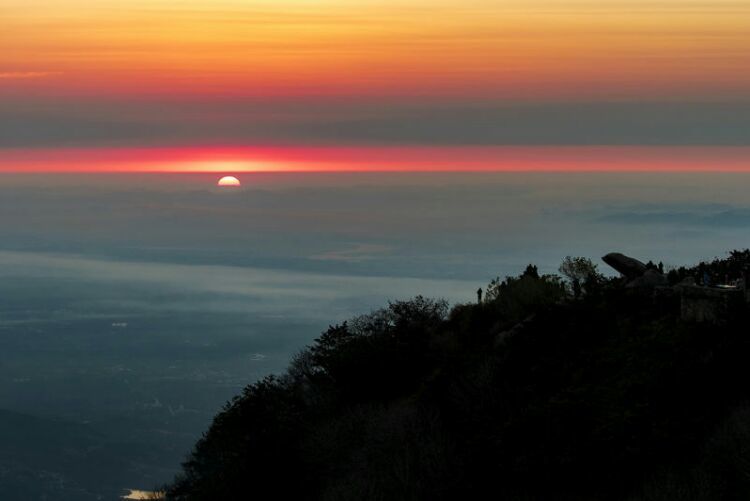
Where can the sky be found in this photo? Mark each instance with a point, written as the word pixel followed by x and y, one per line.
pixel 279 85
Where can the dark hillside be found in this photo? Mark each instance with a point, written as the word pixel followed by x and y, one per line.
pixel 545 390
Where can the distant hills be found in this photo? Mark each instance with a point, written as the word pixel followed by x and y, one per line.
pixel 549 388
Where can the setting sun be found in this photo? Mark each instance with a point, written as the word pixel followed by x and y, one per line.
pixel 229 182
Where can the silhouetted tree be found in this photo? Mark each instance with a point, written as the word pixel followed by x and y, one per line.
pixel 531 271
pixel 517 297
pixel 582 274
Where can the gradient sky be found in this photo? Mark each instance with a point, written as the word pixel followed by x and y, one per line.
pixel 233 85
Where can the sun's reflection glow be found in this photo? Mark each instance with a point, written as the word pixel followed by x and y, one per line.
pixel 221 166
pixel 134 494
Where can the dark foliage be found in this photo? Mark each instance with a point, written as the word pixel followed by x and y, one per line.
pixel 716 271
pixel 531 394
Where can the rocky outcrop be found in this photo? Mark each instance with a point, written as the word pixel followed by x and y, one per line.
pixel 635 272
pixel 697 303
pixel 650 279
pixel 628 267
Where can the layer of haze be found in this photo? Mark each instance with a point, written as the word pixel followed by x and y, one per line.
pixel 133 306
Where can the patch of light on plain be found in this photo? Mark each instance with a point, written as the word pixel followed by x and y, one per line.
pixel 134 494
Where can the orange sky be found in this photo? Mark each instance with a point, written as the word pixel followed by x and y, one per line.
pixel 481 52
pixel 519 48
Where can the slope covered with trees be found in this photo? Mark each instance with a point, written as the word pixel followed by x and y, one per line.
pixel 550 388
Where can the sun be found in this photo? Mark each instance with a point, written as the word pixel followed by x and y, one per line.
pixel 229 182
